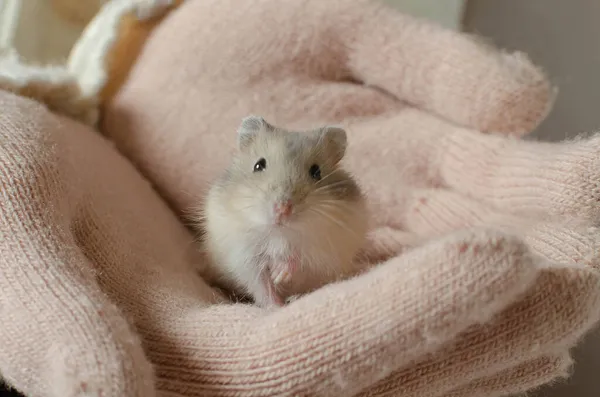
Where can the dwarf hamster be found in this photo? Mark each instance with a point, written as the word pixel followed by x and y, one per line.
pixel 284 218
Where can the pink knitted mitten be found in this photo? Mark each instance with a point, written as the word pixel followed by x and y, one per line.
pixel 99 295
pixel 415 100
pixel 100 298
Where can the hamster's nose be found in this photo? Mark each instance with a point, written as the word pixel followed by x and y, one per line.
pixel 282 210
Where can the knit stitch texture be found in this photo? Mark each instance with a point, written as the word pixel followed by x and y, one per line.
pixel 490 268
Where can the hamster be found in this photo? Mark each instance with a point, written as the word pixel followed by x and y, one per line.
pixel 284 218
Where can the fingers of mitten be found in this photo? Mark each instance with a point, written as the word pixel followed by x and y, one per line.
pixel 558 310
pixel 570 243
pixel 426 213
pixel 343 337
pixel 562 305
pixel 428 384
pixel 520 379
pixel 416 147
pixel 521 177
pixel 549 315
pixel 449 73
pixel 525 177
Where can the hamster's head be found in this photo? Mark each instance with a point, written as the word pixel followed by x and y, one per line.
pixel 284 179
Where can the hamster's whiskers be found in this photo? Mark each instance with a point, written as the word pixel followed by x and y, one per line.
pixel 329 188
pixel 323 179
pixel 334 204
pixel 326 176
pixel 336 207
pixel 332 219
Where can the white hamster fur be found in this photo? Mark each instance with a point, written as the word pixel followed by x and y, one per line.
pixel 284 219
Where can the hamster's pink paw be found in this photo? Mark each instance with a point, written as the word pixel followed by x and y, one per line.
pixel 281 275
pixel 271 301
pixel 267 295
pixel 281 272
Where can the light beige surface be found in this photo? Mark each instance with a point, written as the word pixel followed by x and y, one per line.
pixel 562 36
pixel 37 31
pixel 8 11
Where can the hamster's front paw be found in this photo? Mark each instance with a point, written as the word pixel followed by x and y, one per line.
pixel 270 301
pixel 281 275
pixel 281 272
pixel 265 294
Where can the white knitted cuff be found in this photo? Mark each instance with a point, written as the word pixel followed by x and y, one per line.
pixel 51 85
pixel 87 60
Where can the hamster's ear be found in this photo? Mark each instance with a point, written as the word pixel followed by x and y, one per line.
pixel 249 128
pixel 335 140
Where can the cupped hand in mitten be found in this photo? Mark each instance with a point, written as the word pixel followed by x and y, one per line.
pixel 100 296
pixel 433 119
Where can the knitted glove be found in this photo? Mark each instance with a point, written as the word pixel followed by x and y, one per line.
pixel 88 246
pixel 415 100
pixel 100 298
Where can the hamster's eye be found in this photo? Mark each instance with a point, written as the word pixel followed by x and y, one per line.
pixel 260 165
pixel 315 172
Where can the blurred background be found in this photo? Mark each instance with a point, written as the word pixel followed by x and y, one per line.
pixel 555 34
